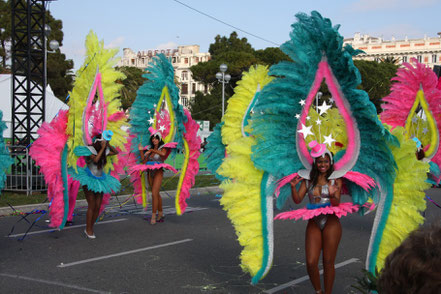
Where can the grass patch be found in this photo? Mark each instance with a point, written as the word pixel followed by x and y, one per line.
pixel 170 183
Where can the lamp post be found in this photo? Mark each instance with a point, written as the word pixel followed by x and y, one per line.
pixel 224 78
pixel 53 44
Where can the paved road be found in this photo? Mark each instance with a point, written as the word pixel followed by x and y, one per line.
pixel 193 253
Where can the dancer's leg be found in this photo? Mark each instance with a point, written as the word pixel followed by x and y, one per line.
pixel 313 247
pixel 91 203
pixel 331 238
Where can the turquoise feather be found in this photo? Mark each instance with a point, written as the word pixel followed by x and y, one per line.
pixel 215 151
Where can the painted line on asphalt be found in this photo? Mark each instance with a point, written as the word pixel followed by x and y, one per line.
pixel 67 228
pixel 305 278
pixel 123 253
pixel 53 283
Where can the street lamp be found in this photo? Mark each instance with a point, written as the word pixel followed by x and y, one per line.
pixel 53 44
pixel 224 78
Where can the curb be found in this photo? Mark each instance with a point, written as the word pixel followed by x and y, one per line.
pixel 6 210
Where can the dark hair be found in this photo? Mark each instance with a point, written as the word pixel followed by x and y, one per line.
pixel 157 137
pixel 97 145
pixel 414 266
pixel 420 154
pixel 314 174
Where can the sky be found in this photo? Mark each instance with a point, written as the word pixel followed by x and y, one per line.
pixel 162 24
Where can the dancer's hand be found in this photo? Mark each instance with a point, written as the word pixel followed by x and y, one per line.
pixel 295 181
pixel 332 189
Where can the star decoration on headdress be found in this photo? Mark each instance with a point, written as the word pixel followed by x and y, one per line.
pixel 161 129
pixel 297 116
pixel 302 102
pixel 308 117
pixel 329 140
pixel 414 119
pixel 151 120
pixel 305 131
pixel 425 130
pixel 324 108
pixel 159 121
pixel 318 122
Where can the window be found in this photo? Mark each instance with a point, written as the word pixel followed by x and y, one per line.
pixel 174 60
pixel 186 60
pixel 196 59
pixel 419 58
pixel 404 59
pixel 184 89
pixel 434 58
pixel 184 75
pixel 205 89
pixel 133 61
pixel 193 88
pixel 184 101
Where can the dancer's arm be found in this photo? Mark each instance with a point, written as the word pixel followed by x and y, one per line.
pixel 297 196
pixel 112 149
pixel 335 192
pixel 96 158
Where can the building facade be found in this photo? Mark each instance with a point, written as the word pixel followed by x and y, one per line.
pixel 426 50
pixel 182 58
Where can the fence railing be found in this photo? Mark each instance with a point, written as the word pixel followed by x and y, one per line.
pixel 23 175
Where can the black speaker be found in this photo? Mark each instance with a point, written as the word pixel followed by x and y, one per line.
pixel 437 70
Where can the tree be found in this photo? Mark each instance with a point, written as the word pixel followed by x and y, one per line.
pixel 376 79
pixel 59 69
pixel 239 55
pixel 131 84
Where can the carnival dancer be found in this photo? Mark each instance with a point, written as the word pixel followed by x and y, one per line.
pixel 323 232
pixel 153 165
pixel 74 145
pixel 94 180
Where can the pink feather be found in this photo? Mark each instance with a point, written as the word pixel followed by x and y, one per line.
pixel 194 144
pixel 283 181
pixel 409 80
pixel 47 151
pixel 117 116
pixel 303 213
pixel 362 180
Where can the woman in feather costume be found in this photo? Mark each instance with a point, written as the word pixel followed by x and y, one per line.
pixel 153 161
pixel 64 148
pixel 157 107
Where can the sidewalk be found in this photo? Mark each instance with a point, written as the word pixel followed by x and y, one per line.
pixel 5 211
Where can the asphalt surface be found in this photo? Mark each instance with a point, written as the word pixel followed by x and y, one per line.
pixel 193 253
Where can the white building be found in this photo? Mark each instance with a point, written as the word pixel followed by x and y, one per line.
pixel 426 50
pixel 182 58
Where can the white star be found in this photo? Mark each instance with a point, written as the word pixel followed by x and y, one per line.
pixel 154 105
pixel 414 119
pixel 305 131
pixel 159 121
pixel 425 130
pixel 302 102
pixel 308 117
pixel 318 122
pixel 329 140
pixel 324 108
pixel 151 121
pixel 148 112
pixel 161 129
pixel 297 116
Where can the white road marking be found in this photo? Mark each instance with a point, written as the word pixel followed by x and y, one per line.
pixel 305 278
pixel 123 253
pixel 53 283
pixel 67 228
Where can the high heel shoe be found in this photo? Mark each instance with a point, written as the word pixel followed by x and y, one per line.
pixel 89 236
pixel 153 220
pixel 160 218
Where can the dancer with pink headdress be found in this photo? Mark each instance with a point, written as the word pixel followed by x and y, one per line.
pixel 152 165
